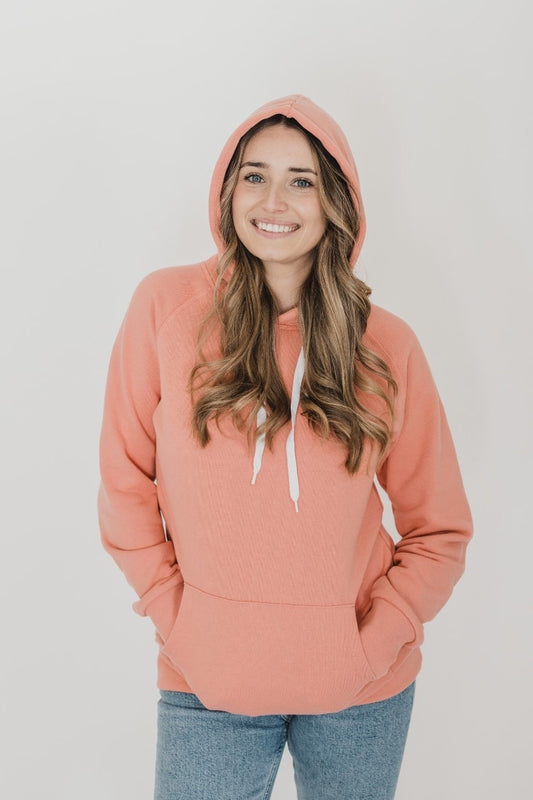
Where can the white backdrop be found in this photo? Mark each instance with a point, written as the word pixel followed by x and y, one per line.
pixel 113 113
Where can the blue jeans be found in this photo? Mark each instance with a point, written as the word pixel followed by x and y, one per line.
pixel 353 754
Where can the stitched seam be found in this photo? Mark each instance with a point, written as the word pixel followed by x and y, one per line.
pixel 275 766
pixel 397 377
pixel 381 346
pixel 268 602
pixel 178 308
pixel 211 279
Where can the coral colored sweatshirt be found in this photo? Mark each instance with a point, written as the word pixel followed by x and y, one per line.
pixel 285 594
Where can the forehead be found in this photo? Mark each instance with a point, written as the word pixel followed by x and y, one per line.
pixel 280 142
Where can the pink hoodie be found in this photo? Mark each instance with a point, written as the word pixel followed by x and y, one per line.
pixel 271 582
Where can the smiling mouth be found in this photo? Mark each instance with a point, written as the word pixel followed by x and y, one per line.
pixel 270 227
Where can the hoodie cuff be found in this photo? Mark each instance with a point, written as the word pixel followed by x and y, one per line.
pixel 163 609
pixel 383 632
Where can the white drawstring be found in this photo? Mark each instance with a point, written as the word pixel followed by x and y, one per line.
pixel 260 444
pixel 294 488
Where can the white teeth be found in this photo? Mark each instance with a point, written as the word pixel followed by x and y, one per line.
pixel 267 226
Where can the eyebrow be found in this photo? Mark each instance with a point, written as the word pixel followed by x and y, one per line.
pixel 263 165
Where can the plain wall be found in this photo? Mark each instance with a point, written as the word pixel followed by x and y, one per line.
pixel 112 117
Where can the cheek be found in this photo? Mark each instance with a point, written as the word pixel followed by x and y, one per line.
pixel 321 215
pixel 238 207
pixel 235 213
pixel 315 212
pixel 320 222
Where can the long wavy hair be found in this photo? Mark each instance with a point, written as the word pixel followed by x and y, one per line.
pixel 347 390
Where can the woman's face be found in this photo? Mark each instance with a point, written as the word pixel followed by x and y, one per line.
pixel 276 206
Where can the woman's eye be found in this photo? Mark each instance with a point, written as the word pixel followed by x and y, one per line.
pixel 305 181
pixel 251 178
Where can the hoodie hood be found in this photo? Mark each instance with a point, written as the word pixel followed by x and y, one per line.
pixel 316 121
pixel 320 124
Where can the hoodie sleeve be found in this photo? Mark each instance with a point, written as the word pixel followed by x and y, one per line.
pixel 130 520
pixel 422 479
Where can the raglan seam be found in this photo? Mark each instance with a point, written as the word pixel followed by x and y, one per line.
pixel 177 308
pixel 395 438
pixel 394 361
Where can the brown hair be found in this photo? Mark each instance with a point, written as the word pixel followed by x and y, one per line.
pixel 333 311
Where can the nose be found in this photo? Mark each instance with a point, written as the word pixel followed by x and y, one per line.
pixel 274 198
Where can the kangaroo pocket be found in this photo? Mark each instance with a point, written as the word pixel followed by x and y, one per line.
pixel 267 658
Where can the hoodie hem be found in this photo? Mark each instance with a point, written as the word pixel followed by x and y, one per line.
pixel 170 679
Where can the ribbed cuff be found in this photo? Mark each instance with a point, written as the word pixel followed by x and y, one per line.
pixel 383 632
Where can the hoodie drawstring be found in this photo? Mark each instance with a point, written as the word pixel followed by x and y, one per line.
pixel 260 444
pixel 294 488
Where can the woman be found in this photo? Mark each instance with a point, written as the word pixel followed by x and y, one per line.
pixel 252 402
